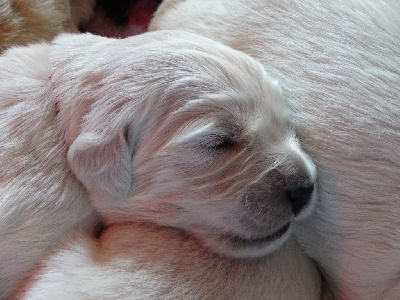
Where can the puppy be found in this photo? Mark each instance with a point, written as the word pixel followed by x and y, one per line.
pixel 25 22
pixel 341 61
pixel 143 261
pixel 168 128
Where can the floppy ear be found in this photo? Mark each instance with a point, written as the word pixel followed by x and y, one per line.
pixel 99 153
pixel 102 161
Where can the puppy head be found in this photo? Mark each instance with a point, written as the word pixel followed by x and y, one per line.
pixel 178 130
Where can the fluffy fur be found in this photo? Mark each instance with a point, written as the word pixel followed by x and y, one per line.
pixel 169 128
pixel 141 261
pixel 341 61
pixel 40 197
pixel 25 22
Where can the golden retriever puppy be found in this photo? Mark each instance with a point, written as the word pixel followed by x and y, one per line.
pixel 25 22
pixel 341 61
pixel 142 261
pixel 168 128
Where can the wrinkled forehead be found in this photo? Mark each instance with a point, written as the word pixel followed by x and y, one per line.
pixel 236 84
pixel 238 113
pixel 244 113
pixel 212 84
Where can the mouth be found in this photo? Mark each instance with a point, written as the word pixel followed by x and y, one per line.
pixel 239 241
pixel 237 246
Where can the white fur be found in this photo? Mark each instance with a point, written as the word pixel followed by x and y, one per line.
pixel 40 198
pixel 108 113
pixel 140 261
pixel 340 61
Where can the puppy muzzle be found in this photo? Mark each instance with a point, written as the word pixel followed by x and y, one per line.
pixel 278 196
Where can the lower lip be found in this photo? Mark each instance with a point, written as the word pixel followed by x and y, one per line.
pixel 259 241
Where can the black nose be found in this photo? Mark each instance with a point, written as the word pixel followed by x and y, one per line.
pixel 299 197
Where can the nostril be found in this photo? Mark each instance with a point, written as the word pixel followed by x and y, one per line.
pixel 299 197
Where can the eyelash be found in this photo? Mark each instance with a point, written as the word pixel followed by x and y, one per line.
pixel 217 142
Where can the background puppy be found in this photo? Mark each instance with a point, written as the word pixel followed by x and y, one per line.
pixel 169 128
pixel 142 261
pixel 24 22
pixel 341 61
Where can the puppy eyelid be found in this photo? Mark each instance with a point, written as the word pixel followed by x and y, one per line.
pixel 216 142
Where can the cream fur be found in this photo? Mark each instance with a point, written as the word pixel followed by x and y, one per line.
pixel 340 60
pixel 167 127
pixel 140 261
pixel 40 198
pixel 26 22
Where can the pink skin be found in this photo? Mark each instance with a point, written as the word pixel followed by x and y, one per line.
pixel 140 16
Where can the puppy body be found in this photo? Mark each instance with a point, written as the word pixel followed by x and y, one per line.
pixel 341 61
pixel 40 198
pixel 25 22
pixel 169 128
pixel 141 261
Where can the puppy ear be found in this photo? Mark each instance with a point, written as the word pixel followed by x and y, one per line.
pixel 102 161
pixel 99 154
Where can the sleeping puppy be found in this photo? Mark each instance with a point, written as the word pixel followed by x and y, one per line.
pixel 142 261
pixel 168 128
pixel 194 138
pixel 25 22
pixel 341 61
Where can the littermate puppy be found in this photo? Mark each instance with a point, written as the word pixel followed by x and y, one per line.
pixel 168 128
pixel 143 261
pixel 25 22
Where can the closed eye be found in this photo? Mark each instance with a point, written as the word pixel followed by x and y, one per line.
pixel 217 142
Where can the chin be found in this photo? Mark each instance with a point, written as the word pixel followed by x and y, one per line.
pixel 236 246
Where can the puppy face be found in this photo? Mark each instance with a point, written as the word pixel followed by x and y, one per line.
pixel 192 135
pixel 233 175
